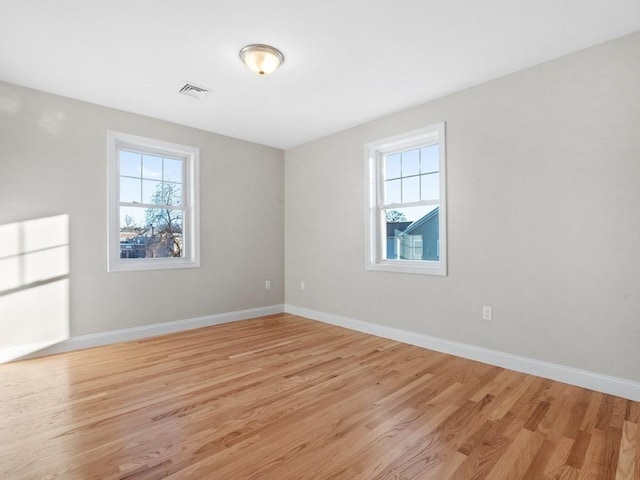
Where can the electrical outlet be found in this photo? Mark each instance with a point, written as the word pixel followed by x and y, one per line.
pixel 267 285
pixel 487 312
pixel 302 285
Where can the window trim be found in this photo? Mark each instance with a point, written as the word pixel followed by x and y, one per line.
pixel 374 223
pixel 191 216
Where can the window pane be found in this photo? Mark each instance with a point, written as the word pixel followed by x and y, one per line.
pixel 430 159
pixel 410 163
pixel 133 232
pixel 152 192
pixel 413 233
pixel 152 167
pixel 150 233
pixel 392 191
pixel 130 163
pixel 430 186
pixel 411 189
pixel 172 170
pixel 130 190
pixel 392 166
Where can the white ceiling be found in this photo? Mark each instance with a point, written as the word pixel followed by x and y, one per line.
pixel 347 61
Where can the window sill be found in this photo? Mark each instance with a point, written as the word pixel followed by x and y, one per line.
pixel 142 264
pixel 431 268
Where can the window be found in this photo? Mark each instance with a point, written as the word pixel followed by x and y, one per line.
pixel 405 203
pixel 153 209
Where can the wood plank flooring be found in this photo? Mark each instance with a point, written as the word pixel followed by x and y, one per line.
pixel 283 397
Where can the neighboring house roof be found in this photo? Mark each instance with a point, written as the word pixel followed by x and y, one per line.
pixel 392 227
pixel 418 223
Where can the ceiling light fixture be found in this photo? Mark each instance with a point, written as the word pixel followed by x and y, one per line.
pixel 262 59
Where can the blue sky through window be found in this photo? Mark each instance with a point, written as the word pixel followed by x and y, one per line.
pixel 142 176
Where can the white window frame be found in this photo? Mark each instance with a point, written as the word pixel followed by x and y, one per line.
pixel 375 222
pixel 191 217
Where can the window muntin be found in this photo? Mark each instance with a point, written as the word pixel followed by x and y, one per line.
pixel 405 203
pixel 153 220
pixel 151 205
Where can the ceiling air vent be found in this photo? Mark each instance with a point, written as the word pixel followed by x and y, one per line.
pixel 194 91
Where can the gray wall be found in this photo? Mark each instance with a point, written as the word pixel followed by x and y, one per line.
pixel 543 197
pixel 53 161
pixel 543 217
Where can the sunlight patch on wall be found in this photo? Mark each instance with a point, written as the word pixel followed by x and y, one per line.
pixel 34 285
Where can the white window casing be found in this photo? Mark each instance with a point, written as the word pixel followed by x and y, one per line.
pixel 376 203
pixel 187 206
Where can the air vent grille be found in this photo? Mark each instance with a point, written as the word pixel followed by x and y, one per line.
pixel 194 91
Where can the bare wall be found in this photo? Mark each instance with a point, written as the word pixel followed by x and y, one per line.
pixel 53 161
pixel 543 217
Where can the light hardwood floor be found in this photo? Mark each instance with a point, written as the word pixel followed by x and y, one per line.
pixel 283 397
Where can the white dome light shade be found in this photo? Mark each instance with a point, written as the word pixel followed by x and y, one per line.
pixel 262 59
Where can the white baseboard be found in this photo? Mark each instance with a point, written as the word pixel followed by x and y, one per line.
pixel 573 376
pixel 137 333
